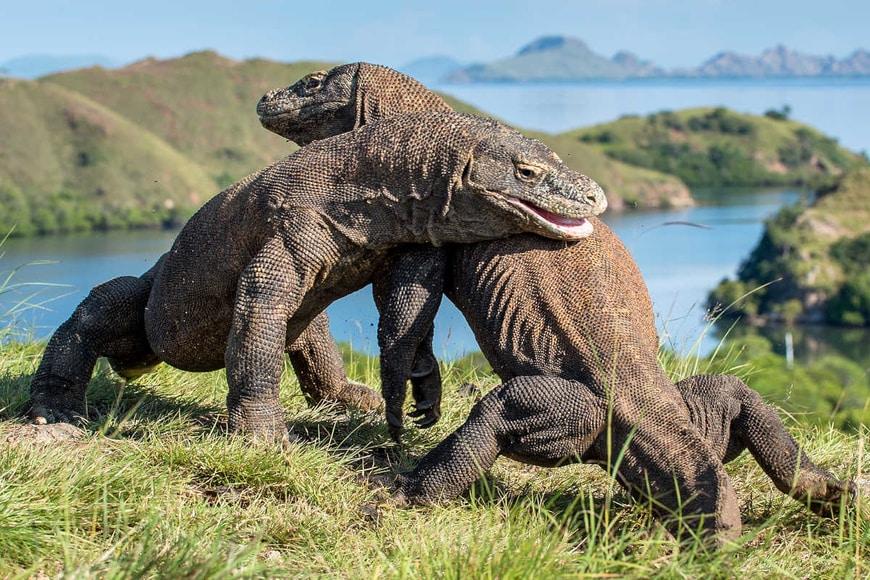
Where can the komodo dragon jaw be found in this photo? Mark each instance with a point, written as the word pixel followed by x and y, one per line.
pixel 556 217
pixel 529 182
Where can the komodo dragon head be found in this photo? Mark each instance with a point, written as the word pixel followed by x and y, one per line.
pixel 520 175
pixel 327 103
pixel 525 178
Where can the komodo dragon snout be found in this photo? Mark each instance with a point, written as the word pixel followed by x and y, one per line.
pixel 525 178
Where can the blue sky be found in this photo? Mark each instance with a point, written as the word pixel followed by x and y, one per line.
pixel 670 32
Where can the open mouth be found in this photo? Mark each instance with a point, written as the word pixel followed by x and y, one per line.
pixel 565 227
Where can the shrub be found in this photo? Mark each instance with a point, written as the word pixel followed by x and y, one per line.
pixel 15 211
pixel 850 306
pixel 778 114
pixel 721 120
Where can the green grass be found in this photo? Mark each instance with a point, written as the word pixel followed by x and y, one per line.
pixel 156 488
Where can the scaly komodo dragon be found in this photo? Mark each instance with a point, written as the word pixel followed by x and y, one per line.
pixel 578 312
pixel 255 265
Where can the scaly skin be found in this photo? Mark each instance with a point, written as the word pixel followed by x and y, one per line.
pixel 255 266
pixel 580 312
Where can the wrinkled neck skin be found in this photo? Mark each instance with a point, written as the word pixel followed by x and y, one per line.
pixel 576 310
pixel 377 198
pixel 382 92
pixel 429 214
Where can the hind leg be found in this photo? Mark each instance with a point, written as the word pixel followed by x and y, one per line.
pixel 109 322
pixel 320 370
pixel 714 400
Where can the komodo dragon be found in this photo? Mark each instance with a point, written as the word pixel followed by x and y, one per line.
pixel 259 261
pixel 577 311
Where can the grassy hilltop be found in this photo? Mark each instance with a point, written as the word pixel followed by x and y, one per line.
pixel 202 104
pixel 74 164
pixel 147 144
pixel 820 253
pixel 156 489
pixel 723 147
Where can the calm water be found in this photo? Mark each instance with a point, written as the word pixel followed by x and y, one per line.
pixel 837 107
pixel 680 263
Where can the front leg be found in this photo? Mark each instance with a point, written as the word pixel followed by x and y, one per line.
pixel 270 290
pixel 109 322
pixel 408 293
pixel 539 420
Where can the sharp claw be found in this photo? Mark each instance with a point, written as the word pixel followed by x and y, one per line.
pixel 428 420
pixel 394 420
pixel 424 405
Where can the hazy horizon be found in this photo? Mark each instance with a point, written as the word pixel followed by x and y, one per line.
pixel 666 32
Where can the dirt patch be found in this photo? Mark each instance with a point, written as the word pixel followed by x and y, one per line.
pixel 42 434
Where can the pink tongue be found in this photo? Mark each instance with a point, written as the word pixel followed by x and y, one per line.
pixel 574 227
pixel 556 219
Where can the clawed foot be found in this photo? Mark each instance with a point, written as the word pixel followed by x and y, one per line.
pixel 44 414
pixel 260 421
pixel 859 496
pixel 851 494
pixel 426 413
pixel 426 390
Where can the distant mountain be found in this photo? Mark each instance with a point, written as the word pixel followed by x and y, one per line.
pixel 780 61
pixel 563 58
pixel 431 69
pixel 556 58
pixel 773 62
pixel 31 66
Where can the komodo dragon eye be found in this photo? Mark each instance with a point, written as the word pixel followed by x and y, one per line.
pixel 525 172
pixel 313 83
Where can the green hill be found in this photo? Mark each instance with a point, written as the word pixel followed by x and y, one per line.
pixel 819 252
pixel 722 147
pixel 202 104
pixel 72 164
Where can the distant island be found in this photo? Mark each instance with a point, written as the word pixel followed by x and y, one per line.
pixel 565 58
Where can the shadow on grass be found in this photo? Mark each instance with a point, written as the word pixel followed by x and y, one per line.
pixel 110 399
